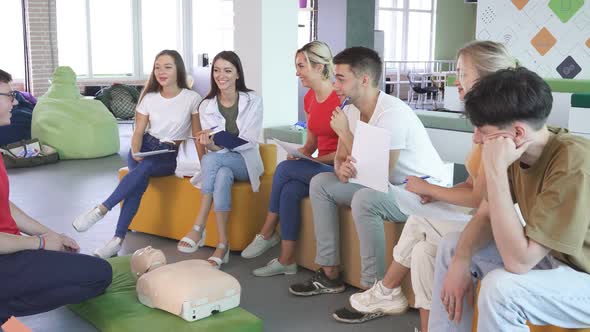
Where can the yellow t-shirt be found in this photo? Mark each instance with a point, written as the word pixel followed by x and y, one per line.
pixel 473 163
pixel 554 198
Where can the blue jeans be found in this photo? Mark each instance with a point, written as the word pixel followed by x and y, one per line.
pixel 290 184
pixel 552 293
pixel 218 171
pixel 133 185
pixel 35 281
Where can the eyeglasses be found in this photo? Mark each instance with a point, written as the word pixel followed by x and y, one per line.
pixel 11 95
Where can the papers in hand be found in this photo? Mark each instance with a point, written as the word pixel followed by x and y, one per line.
pixel 151 153
pixel 370 149
pixel 293 149
pixel 410 204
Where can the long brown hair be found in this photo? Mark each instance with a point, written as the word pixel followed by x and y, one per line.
pixel 152 84
pixel 232 58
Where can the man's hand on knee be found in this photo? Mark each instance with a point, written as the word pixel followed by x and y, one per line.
pixel 456 286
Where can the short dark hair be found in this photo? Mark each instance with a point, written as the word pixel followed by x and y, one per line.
pixel 5 77
pixel 362 60
pixel 509 95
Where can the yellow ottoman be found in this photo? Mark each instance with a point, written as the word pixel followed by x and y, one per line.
pixel 170 205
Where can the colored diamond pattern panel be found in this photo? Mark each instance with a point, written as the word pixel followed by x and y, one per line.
pixel 543 41
pixel 520 3
pixel 565 9
pixel 550 37
pixel 569 68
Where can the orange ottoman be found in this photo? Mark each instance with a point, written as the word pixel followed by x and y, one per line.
pixel 170 205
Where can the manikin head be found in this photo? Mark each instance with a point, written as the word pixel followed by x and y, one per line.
pixel 145 260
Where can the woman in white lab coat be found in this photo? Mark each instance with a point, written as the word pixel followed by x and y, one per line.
pixel 232 107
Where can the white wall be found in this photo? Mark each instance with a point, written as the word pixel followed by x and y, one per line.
pixel 265 38
pixel 332 24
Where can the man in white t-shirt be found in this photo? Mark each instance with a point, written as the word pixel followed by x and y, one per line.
pixel 357 71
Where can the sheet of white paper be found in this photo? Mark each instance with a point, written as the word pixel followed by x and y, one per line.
pixel 519 214
pixel 291 149
pixel 151 153
pixel 370 149
pixel 410 204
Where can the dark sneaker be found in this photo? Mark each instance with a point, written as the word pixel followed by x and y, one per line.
pixel 352 316
pixel 318 284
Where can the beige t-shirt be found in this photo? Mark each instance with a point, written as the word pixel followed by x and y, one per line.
pixel 554 198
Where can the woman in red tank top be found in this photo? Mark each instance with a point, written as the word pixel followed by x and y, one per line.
pixel 313 64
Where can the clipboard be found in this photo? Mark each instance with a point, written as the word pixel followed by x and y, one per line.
pixel 151 153
pixel 224 139
pixel 292 149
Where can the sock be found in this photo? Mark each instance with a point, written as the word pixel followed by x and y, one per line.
pixel 385 290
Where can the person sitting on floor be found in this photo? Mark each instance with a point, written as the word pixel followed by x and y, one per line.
pixel 29 283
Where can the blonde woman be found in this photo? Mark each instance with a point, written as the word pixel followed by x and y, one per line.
pixel 313 66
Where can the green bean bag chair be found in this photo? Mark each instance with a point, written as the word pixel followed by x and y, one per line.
pixel 77 128
pixel 119 310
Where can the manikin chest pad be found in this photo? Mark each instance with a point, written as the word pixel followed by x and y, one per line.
pixel 191 289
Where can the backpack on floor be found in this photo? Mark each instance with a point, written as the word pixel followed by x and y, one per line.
pixel 120 99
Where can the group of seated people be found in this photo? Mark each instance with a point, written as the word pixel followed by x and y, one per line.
pixel 533 258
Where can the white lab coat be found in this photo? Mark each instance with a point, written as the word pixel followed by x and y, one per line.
pixel 249 123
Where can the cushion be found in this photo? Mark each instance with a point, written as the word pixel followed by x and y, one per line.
pixel 119 310
pixel 77 128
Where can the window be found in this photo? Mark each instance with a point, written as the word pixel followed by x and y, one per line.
pixel 213 27
pixel 409 29
pixel 12 58
pixel 120 38
pixel 95 37
pixel 160 30
pixel 307 22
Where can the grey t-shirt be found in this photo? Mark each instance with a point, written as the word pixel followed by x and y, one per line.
pixel 231 115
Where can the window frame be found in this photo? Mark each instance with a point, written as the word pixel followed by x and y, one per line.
pixel 185 43
pixel 405 10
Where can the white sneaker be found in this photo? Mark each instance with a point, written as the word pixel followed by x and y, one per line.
pixel 110 249
pixel 259 245
pixel 84 221
pixel 373 300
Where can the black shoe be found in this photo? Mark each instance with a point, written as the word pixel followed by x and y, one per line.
pixel 318 284
pixel 352 316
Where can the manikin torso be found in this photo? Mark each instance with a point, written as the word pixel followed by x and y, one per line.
pixel 175 288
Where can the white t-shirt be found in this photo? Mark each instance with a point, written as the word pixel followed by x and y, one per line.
pixel 170 118
pixel 417 156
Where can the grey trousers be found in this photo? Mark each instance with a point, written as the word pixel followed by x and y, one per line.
pixel 369 209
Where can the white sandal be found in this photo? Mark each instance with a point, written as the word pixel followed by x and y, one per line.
pixel 218 261
pixel 192 245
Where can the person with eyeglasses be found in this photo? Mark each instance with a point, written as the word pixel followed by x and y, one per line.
pixel 11 95
pixel 31 253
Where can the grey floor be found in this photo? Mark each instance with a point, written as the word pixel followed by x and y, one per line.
pixel 56 194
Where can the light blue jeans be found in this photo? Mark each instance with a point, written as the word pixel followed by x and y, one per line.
pixel 218 173
pixel 550 294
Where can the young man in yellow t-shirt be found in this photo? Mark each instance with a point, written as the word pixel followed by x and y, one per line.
pixel 533 259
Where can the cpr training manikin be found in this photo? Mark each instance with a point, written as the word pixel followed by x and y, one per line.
pixel 191 289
